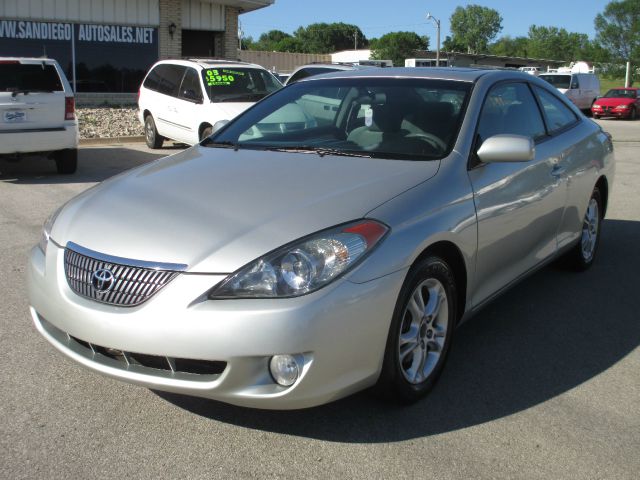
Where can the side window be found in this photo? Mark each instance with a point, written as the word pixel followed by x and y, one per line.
pixel 575 82
pixel 190 88
pixel 169 78
pixel 557 114
pixel 152 82
pixel 510 108
pixel 299 75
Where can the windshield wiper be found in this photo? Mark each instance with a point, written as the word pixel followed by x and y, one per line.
pixel 322 151
pixel 14 93
pixel 239 96
pixel 207 142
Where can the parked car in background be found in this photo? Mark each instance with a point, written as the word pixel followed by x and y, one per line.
pixel 617 102
pixel 581 88
pixel 531 70
pixel 184 99
pixel 37 111
pixel 320 68
pixel 281 264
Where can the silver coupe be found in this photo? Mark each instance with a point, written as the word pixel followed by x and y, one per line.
pixel 327 240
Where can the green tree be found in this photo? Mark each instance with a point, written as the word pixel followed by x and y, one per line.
pixel 557 43
pixel 474 27
pixel 510 47
pixel 329 37
pixel 398 46
pixel 618 30
pixel 270 40
pixel 451 45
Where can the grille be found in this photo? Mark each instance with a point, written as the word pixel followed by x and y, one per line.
pixel 126 360
pixel 128 286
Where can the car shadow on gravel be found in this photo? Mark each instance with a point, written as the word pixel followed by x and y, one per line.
pixel 95 164
pixel 547 335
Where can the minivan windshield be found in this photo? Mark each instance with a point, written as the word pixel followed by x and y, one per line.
pixel 238 84
pixel 371 117
pixel 558 81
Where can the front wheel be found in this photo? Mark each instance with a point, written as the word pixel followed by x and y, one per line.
pixel 421 331
pixel 152 137
pixel 582 255
pixel 633 114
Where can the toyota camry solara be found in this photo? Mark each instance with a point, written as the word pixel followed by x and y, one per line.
pixel 329 239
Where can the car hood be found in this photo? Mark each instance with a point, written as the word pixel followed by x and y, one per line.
pixel 614 102
pixel 217 209
pixel 229 110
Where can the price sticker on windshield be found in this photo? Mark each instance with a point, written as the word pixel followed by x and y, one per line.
pixel 221 77
pixel 368 117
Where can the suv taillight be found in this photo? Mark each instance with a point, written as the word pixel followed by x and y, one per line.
pixel 69 108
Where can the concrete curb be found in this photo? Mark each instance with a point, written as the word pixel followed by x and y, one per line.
pixel 86 142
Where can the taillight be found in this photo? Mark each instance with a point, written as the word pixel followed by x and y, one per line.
pixel 138 98
pixel 69 108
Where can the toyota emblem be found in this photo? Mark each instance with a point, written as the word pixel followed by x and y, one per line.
pixel 102 280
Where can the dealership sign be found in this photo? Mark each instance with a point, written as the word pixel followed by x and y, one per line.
pixel 23 30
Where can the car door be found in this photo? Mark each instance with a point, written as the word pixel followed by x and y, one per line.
pixel 519 205
pixel 188 107
pixel 168 122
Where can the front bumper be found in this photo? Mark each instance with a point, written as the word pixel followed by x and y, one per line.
pixel 611 113
pixel 39 140
pixel 339 332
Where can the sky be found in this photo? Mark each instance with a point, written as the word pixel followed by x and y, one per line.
pixel 377 17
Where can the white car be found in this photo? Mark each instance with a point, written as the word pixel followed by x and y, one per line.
pixel 184 99
pixel 581 89
pixel 37 111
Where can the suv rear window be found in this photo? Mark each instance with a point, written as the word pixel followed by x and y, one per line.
pixel 29 77
pixel 226 84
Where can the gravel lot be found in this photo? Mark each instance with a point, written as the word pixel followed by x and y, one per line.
pixel 542 384
pixel 107 122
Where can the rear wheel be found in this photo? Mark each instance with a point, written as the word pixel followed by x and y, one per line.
pixel 581 256
pixel 421 331
pixel 66 161
pixel 152 137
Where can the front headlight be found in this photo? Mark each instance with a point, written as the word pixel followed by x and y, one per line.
pixel 622 107
pixel 304 265
pixel 46 230
pixel 595 105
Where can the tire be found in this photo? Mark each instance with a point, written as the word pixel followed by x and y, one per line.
pixel 152 137
pixel 66 161
pixel 583 254
pixel 633 114
pixel 206 132
pixel 597 117
pixel 416 336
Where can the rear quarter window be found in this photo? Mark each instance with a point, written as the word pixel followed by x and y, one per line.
pixel 165 78
pixel 31 77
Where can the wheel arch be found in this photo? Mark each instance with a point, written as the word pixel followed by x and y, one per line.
pixel 451 254
pixel 146 113
pixel 201 128
pixel 603 185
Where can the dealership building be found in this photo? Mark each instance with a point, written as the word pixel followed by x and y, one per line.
pixel 108 45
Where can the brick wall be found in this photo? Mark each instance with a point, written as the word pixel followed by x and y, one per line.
pixel 170 12
pixel 231 44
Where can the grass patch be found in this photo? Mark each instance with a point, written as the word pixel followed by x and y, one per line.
pixel 607 84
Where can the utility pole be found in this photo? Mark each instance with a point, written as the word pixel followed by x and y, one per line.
pixel 355 39
pixel 437 22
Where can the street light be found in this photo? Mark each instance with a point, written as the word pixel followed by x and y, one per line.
pixel 437 22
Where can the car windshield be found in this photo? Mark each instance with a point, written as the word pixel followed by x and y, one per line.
pixel 372 117
pixel 237 84
pixel 620 93
pixel 29 77
pixel 558 81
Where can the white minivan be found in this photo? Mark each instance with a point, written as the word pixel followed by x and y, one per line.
pixel 184 99
pixel 581 88
pixel 37 111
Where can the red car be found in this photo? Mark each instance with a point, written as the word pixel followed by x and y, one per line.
pixel 617 102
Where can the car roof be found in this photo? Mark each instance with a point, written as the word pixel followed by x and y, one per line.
pixel 444 73
pixel 210 63
pixel 28 59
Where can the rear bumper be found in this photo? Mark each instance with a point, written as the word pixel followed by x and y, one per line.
pixel 39 140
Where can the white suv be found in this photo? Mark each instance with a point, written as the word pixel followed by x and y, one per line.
pixel 37 111
pixel 184 99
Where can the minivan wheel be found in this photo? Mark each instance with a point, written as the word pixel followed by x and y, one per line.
pixel 152 137
pixel 582 255
pixel 66 161
pixel 421 331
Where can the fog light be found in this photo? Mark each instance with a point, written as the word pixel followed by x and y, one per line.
pixel 284 369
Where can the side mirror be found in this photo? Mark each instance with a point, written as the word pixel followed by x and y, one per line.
pixel 507 148
pixel 218 125
pixel 574 86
